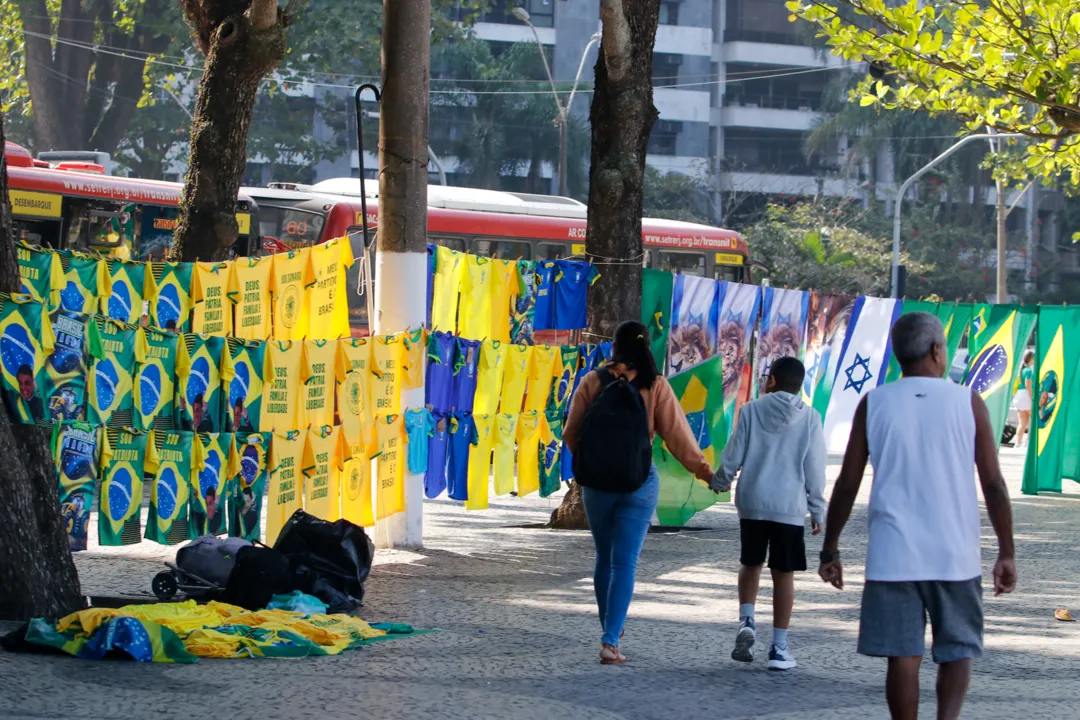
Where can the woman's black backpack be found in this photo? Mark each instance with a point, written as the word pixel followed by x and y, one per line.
pixel 614 450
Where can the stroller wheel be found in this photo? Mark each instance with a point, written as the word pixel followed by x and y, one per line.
pixel 164 586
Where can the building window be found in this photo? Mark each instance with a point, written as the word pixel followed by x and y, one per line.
pixel 664 135
pixel 669 13
pixel 665 67
pixel 541 12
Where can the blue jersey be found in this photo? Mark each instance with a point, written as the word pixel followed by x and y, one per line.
pixel 438 444
pixel 572 281
pixel 430 280
pixel 606 349
pixel 418 425
pixel 544 313
pixel 440 371
pixel 466 369
pixel 462 436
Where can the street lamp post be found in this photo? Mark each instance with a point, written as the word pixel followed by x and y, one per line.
pixel 902 190
pixel 562 120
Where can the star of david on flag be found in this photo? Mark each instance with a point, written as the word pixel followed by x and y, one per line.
pixel 858 373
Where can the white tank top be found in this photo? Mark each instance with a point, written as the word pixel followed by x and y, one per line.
pixel 924 510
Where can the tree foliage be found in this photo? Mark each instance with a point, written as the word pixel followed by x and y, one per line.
pixel 1003 64
pixel 676 196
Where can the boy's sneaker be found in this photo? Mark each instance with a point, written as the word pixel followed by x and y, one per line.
pixel 744 642
pixel 781 658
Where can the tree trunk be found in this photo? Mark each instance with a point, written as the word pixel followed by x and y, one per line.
pixel 241 48
pixel 622 118
pixel 37 575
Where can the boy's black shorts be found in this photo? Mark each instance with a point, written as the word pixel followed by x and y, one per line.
pixel 785 545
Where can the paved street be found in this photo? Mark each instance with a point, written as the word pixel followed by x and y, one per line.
pixel 520 637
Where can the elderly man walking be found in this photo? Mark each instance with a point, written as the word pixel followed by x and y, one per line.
pixel 925 436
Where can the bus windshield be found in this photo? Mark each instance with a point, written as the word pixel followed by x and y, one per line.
pixel 290 227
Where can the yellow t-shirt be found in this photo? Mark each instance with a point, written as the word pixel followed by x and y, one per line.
pixel 356 488
pixel 532 431
pixel 290 286
pixel 541 377
pixel 249 291
pixel 281 387
pixel 390 495
pixel 480 462
pixel 210 314
pixel 506 427
pixel 354 393
pixel 415 352
pixel 449 275
pixel 515 378
pixel 328 302
pixel 388 355
pixel 318 373
pixel 324 459
pixel 505 287
pixel 489 379
pixel 474 320
pixel 284 496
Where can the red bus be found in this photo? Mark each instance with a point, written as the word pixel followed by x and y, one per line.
pixel 511 226
pixel 75 206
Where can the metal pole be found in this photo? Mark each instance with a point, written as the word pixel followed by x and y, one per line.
pixel 563 151
pixel 902 190
pixel 438 165
pixel 360 153
pixel 560 120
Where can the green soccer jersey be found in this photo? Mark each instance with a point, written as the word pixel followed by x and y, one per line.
pixel 208 484
pixel 245 386
pixel 178 457
pixel 77 454
pixel 200 372
pixel 26 340
pixel 550 456
pixel 155 378
pixel 41 274
pixel 170 308
pixel 86 282
pixel 248 486
pixel 109 387
pixel 126 455
pixel 77 344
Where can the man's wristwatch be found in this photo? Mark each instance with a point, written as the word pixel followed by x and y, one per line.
pixel 828 557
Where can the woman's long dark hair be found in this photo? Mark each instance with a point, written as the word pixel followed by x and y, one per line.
pixel 631 349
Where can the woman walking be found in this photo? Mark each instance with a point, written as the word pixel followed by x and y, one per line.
pixel 619 518
pixel 1022 400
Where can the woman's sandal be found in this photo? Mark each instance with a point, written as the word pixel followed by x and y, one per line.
pixel 610 655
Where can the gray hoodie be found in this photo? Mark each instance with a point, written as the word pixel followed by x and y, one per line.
pixel 780 448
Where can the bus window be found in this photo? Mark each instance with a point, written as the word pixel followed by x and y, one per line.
pixel 553 251
pixel 503 249
pixel 683 263
pixel 290 227
pixel 731 273
pixel 454 243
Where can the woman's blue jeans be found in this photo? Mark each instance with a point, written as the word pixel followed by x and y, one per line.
pixel 619 523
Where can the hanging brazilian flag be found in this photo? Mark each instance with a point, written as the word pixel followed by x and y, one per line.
pixel 1055 400
pixel 908 306
pixel 75 447
pixel 565 371
pixel 657 292
pixel 245 388
pixel 701 393
pixel 86 282
pixel 200 372
pixel 956 317
pixel 132 284
pixel 155 378
pixel 979 329
pixel 110 385
pixel 77 342
pixel 993 371
pixel 26 339
pixel 178 458
pixel 41 274
pixel 170 308
pixel 248 486
pixel 208 484
pixel 125 457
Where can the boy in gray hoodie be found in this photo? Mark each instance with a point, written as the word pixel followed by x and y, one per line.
pixel 779 446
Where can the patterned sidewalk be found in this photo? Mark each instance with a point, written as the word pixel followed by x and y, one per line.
pixel 520 636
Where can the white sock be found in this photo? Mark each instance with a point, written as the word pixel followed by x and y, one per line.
pixel 746 611
pixel 779 638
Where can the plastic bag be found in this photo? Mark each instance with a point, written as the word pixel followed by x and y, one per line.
pixel 297 601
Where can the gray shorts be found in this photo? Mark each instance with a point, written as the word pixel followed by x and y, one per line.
pixel 893 619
